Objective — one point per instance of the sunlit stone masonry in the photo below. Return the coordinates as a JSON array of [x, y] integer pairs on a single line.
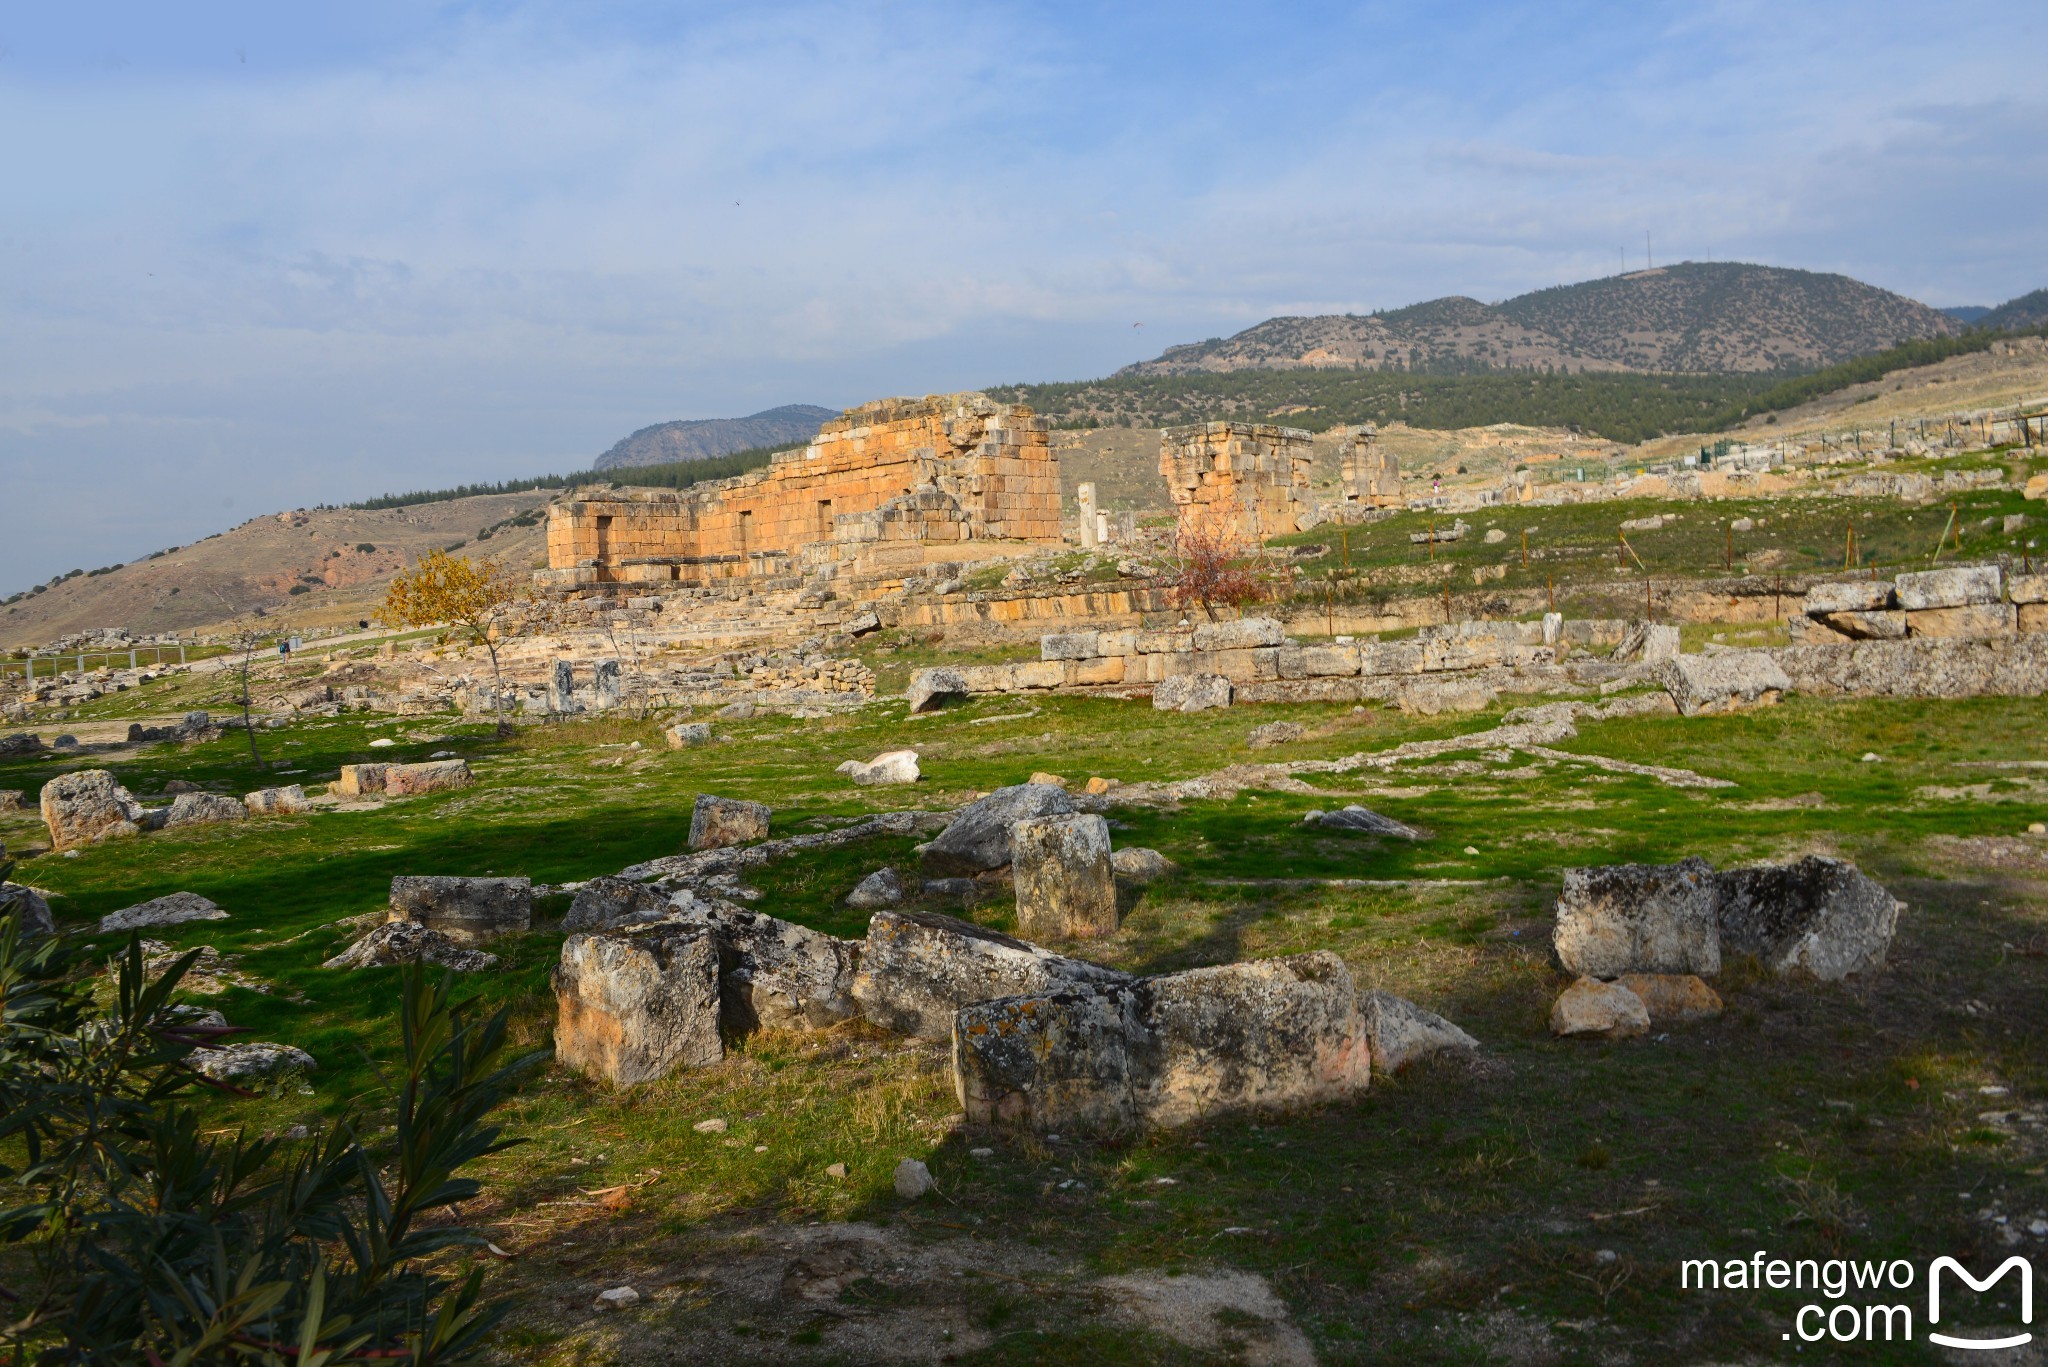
[[1238, 479], [885, 488]]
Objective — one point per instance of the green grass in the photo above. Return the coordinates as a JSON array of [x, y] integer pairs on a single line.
[[1447, 1209]]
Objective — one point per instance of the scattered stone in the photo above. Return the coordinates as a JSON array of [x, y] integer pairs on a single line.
[[736, 711], [979, 837], [1590, 1008], [633, 1006], [1097, 786], [1434, 697], [1356, 818], [258, 1061], [404, 942], [88, 805], [716, 822], [918, 969], [1495, 536], [931, 689], [913, 1179], [617, 1298], [891, 766], [1742, 524], [685, 734], [1136, 864], [1702, 684], [12, 799], [1191, 693], [435, 776], [27, 905], [1065, 886], [286, 801], [1275, 733], [20, 743], [608, 903], [203, 809], [1638, 918], [468, 911], [360, 780], [1401, 1032], [171, 909], [1047, 780], [775, 974], [861, 623], [712, 1126], [836, 1170], [1818, 916], [65, 743], [1673, 998], [885, 887]]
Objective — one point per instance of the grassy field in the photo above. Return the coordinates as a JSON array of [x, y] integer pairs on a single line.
[[1533, 1208]]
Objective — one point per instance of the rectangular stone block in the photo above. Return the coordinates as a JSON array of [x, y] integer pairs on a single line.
[[1067, 645], [2028, 588], [1242, 634], [1107, 670], [2033, 617], [1888, 625], [1164, 642], [1116, 642], [1319, 662], [1952, 588], [1390, 657], [1065, 887], [633, 1007], [360, 780], [1963, 623], [1858, 595], [466, 910], [1057, 1062]]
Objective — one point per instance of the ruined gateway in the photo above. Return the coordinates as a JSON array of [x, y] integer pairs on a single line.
[[881, 491]]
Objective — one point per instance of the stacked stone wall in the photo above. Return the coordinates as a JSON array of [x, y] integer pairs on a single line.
[[1238, 479]]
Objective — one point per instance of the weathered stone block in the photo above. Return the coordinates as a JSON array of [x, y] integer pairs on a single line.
[[1399, 1032], [403, 942], [979, 838], [1818, 916], [203, 809], [931, 689], [1056, 1062], [2028, 588], [1163, 642], [466, 910], [889, 767], [1888, 625], [1856, 595], [28, 906], [2032, 617], [360, 780], [1068, 645], [433, 776], [1136, 864], [287, 801], [716, 822], [686, 734], [1673, 998], [1242, 634], [1591, 1009], [1066, 887], [917, 969], [1951, 588], [1434, 697], [609, 903], [88, 805], [172, 909], [1718, 683], [1116, 642], [635, 1006], [1963, 623], [775, 974], [1638, 918], [1191, 693]]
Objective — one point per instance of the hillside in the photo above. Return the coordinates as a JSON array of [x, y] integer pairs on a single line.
[[703, 438], [340, 557], [2027, 311], [1695, 317]]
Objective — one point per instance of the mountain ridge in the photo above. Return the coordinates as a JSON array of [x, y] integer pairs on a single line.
[[664, 443]]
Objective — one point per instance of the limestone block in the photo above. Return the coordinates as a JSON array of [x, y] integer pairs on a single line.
[[2032, 617], [1268, 1034], [27, 906], [1639, 918], [1163, 642], [2028, 588], [1239, 666], [1889, 625], [980, 837], [1318, 662], [685, 734], [1036, 674], [1390, 657], [1117, 642], [466, 910], [635, 1006], [1068, 645], [1856, 595], [716, 822], [1242, 634], [1818, 917], [609, 903], [1433, 697], [172, 909], [1191, 693], [1107, 670], [1059, 1062], [286, 801], [1950, 588], [202, 809], [1399, 1032], [1135, 863], [433, 776], [891, 766], [360, 780], [932, 688], [403, 942], [775, 974], [1702, 684], [1591, 1009], [88, 805], [1066, 888], [1963, 623], [917, 969], [1673, 998]]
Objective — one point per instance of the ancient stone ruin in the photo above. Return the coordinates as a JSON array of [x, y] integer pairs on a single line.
[[1239, 480], [1369, 474], [882, 490]]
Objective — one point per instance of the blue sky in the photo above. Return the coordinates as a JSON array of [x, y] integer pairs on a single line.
[[256, 256]]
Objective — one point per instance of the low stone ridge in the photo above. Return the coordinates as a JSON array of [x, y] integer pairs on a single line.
[[468, 911], [1136, 864], [202, 809], [891, 766], [1356, 818], [1818, 916], [1066, 887], [1191, 693], [195, 726], [1400, 1032], [931, 689], [608, 903], [917, 969], [1638, 918], [979, 837], [1673, 998], [1590, 1008], [1703, 684], [26, 904], [775, 974], [257, 1061], [633, 1006], [885, 887], [2012, 667], [1271, 1034], [88, 805], [171, 909], [706, 864], [287, 801], [404, 942], [716, 822]]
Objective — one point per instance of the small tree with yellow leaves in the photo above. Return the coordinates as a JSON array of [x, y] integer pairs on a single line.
[[483, 599]]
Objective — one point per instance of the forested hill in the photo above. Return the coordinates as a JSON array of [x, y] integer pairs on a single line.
[[706, 438], [1695, 317]]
